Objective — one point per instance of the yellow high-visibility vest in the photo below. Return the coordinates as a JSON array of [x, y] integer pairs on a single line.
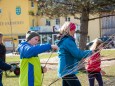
[[30, 72]]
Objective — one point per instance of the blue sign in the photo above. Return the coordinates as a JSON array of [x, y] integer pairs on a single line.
[[18, 10], [37, 28]]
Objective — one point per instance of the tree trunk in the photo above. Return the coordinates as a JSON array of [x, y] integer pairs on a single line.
[[84, 29], [83, 32]]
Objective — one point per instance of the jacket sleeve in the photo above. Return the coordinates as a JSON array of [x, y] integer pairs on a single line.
[[29, 51], [4, 66], [75, 51]]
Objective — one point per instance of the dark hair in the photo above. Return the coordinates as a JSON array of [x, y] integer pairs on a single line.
[[31, 34], [1, 34]]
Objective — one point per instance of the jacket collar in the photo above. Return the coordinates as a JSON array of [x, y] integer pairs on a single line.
[[65, 37]]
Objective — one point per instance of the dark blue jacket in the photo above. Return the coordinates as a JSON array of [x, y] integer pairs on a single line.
[[2, 52], [4, 66]]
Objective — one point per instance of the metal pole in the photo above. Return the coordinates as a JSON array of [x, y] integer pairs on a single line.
[[11, 31]]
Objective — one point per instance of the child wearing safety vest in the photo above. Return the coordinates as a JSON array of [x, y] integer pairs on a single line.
[[30, 67]]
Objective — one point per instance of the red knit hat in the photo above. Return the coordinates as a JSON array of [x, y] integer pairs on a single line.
[[72, 26]]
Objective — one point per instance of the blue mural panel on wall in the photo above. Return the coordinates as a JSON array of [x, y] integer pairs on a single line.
[[18, 10], [37, 28]]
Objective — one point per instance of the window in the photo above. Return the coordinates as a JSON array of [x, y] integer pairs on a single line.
[[44, 38], [67, 18], [57, 21], [33, 22], [21, 39], [0, 10], [8, 43], [47, 22], [107, 25], [32, 3]]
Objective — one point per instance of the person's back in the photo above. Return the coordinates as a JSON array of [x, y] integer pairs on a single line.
[[93, 64], [69, 55]]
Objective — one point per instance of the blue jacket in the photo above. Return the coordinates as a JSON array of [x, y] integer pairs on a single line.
[[27, 50], [69, 56], [30, 67]]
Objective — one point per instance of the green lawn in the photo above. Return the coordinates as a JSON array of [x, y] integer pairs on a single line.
[[105, 53], [108, 53], [51, 75], [17, 58]]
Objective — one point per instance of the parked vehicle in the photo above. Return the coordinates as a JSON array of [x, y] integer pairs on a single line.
[[109, 42]]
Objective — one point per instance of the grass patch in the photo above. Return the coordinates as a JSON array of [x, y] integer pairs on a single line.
[[51, 76], [41, 56], [108, 53], [105, 53], [12, 59], [47, 55]]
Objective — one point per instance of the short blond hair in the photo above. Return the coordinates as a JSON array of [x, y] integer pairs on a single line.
[[67, 27]]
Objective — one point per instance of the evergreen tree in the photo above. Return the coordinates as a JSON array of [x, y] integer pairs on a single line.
[[84, 8]]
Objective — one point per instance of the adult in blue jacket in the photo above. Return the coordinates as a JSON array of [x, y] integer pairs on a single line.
[[69, 55], [30, 67]]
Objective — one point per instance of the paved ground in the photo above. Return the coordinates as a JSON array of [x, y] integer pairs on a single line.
[[108, 62]]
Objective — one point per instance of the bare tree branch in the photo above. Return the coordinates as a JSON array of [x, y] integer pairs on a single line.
[[101, 17]]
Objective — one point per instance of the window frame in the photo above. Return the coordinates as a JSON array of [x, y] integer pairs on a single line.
[[0, 10], [57, 21]]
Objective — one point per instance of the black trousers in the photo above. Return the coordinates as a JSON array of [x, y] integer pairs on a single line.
[[1, 78], [93, 76], [70, 80]]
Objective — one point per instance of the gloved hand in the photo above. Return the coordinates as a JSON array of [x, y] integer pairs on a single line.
[[13, 67], [96, 50], [54, 47], [44, 69]]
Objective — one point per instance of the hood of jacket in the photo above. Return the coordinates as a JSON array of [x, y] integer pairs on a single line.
[[63, 38]]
